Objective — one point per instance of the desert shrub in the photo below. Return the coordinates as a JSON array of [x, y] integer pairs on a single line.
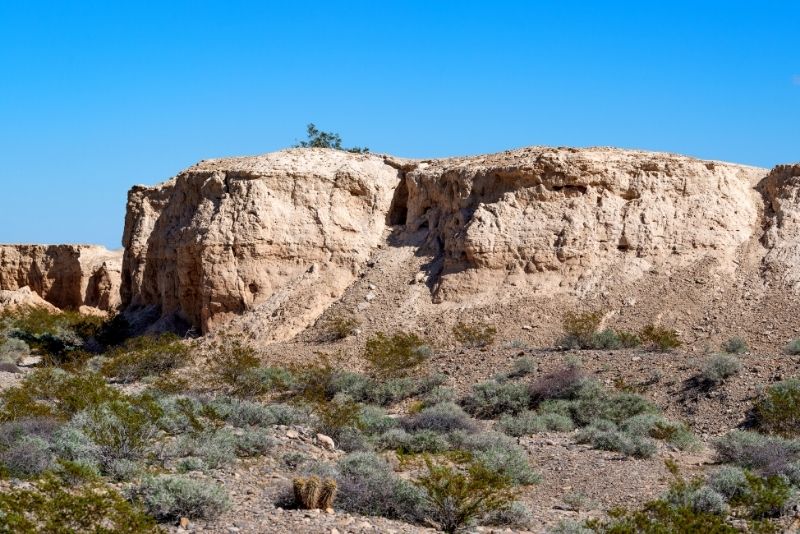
[[766, 496], [457, 497], [719, 367], [579, 329], [702, 500], [610, 439], [373, 420], [660, 338], [336, 415], [293, 460], [231, 361], [316, 138], [355, 385], [146, 356], [72, 444], [13, 350], [560, 384], [60, 337], [215, 447], [170, 497], [516, 515], [490, 399], [729, 481], [793, 347], [591, 401], [441, 418], [243, 413], [286, 414], [395, 355], [314, 493], [181, 414], [253, 442], [778, 409], [51, 392], [438, 395], [767, 455], [168, 384], [418, 442], [368, 486], [474, 335], [735, 345], [122, 429], [570, 526], [339, 327], [391, 391], [260, 380], [26, 457], [54, 505], [352, 439], [497, 452], [528, 422], [520, 367], [658, 427], [189, 464]]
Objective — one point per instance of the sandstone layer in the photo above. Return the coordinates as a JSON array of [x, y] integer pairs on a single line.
[[226, 236], [66, 276]]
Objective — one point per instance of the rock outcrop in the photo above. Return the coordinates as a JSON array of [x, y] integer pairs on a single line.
[[23, 298], [285, 235], [66, 276], [231, 235], [578, 220]]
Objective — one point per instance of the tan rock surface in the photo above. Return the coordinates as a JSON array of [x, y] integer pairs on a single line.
[[231, 235], [66, 276], [23, 298]]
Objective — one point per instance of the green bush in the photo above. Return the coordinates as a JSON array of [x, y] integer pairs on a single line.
[[442, 418], [146, 356], [51, 392], [778, 409], [528, 422], [457, 497], [215, 447], [340, 327], [579, 329], [735, 345], [418, 442], [767, 454], [498, 453], [793, 347], [54, 505], [600, 436], [231, 362], [658, 427], [368, 486], [395, 355], [316, 138], [660, 338], [491, 399], [720, 367], [474, 335], [523, 366], [170, 497]]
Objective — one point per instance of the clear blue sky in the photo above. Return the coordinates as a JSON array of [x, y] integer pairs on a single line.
[[98, 96]]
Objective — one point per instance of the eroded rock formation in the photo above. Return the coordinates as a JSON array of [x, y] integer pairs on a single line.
[[66, 276], [229, 235]]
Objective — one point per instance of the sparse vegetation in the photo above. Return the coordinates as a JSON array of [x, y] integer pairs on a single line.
[[316, 138], [476, 335], [793, 347], [660, 338], [170, 497], [735, 345], [340, 327], [396, 355], [778, 409], [720, 367], [146, 356]]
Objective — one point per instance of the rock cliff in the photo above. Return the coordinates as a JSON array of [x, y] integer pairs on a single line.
[[229, 235], [66, 276], [287, 234]]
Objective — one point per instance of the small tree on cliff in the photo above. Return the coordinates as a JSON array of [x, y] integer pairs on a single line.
[[318, 139]]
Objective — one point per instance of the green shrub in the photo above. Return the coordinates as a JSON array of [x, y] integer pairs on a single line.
[[609, 439], [491, 399], [395, 355], [51, 392], [735, 345], [769, 455], [253, 442], [438, 395], [340, 327], [316, 138], [231, 361], [719, 367], [170, 497], [729, 481], [53, 505], [215, 447], [793, 347], [778, 409], [441, 418], [528, 422], [456, 498], [579, 329], [658, 427], [660, 338], [523, 366], [516, 515], [474, 335], [13, 350], [368, 486], [146, 356], [498, 453], [399, 440]]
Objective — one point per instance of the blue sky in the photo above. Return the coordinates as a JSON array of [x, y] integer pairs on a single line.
[[98, 96]]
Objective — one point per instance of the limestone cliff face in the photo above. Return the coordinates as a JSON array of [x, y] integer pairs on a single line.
[[578, 220], [226, 236], [66, 276]]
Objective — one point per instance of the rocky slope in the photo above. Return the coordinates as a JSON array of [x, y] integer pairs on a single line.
[[516, 236], [66, 276]]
